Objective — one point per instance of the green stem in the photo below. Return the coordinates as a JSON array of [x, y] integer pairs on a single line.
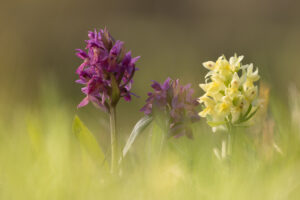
[[113, 140], [229, 138], [229, 143]]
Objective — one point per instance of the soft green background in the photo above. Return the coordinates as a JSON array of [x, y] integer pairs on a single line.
[[39, 154], [38, 41], [173, 37]]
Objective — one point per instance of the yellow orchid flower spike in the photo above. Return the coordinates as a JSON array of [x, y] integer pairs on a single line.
[[230, 92]]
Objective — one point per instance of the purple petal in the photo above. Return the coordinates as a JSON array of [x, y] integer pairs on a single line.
[[84, 102], [116, 49], [127, 58], [147, 109], [134, 60], [133, 94], [91, 35], [80, 81], [127, 97], [166, 84], [156, 86], [80, 68], [81, 54], [84, 90]]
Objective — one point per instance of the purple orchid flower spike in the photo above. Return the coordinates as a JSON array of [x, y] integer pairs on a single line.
[[106, 75], [177, 103], [106, 71]]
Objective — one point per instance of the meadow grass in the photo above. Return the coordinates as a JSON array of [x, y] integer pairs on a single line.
[[42, 158]]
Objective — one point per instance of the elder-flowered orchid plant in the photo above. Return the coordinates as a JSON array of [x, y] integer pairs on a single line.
[[106, 73], [230, 97], [176, 102], [230, 92], [172, 106]]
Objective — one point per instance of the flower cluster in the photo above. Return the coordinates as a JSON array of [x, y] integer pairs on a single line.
[[230, 94], [177, 103], [106, 72]]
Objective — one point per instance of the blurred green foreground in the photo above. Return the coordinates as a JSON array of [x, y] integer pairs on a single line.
[[42, 158]]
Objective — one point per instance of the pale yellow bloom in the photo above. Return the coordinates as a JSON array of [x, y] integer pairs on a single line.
[[218, 77], [209, 106], [206, 111], [207, 101], [228, 95], [240, 106], [209, 65], [251, 93], [203, 87], [224, 107], [214, 87], [235, 62], [253, 76], [235, 82], [222, 64]]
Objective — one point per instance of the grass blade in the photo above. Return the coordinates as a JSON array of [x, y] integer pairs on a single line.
[[138, 128], [88, 142]]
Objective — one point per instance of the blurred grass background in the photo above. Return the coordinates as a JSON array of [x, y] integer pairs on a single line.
[[38, 39], [38, 93], [40, 158]]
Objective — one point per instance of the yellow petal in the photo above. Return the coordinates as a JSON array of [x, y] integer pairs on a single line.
[[209, 65]]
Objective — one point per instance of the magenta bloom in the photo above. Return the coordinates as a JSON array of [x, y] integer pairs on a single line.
[[106, 71], [177, 103]]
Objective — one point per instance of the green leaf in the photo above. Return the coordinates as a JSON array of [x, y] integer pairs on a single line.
[[246, 118], [248, 111], [243, 117], [213, 124], [89, 143], [138, 128], [252, 114]]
